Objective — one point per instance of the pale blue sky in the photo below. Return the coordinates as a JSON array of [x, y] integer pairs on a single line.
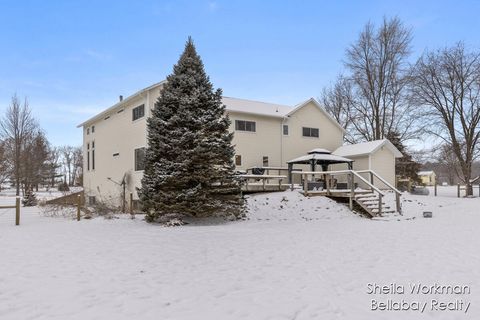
[[73, 58]]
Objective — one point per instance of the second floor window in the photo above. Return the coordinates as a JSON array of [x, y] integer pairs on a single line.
[[138, 112], [285, 129], [242, 125], [310, 132]]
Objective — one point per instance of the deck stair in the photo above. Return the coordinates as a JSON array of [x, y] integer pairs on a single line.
[[371, 204]]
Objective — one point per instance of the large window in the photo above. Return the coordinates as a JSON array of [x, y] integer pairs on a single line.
[[242, 125], [88, 156], [139, 159], [138, 112], [310, 132], [93, 155]]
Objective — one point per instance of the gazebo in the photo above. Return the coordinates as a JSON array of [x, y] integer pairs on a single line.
[[321, 157]]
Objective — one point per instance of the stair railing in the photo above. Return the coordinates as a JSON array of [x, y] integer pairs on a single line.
[[385, 182]]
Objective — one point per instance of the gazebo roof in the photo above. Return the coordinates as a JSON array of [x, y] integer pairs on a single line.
[[320, 158], [320, 151]]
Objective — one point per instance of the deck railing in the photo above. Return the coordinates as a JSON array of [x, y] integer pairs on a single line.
[[386, 183], [264, 178]]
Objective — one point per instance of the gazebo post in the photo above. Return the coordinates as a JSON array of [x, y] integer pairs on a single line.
[[312, 168]]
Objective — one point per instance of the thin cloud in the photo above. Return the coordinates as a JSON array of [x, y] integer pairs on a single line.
[[212, 6]]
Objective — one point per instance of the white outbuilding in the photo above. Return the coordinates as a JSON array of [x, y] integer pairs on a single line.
[[378, 155]]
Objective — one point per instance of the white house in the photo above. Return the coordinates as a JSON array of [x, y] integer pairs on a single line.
[[265, 134], [428, 178]]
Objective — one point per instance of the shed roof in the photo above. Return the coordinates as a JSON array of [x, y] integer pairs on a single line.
[[367, 148]]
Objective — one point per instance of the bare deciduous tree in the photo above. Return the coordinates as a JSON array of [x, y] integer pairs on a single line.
[[72, 163], [34, 159], [338, 101], [16, 126], [371, 100], [447, 86], [4, 164], [67, 158], [449, 162]]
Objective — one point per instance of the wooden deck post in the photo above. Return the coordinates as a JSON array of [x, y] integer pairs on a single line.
[[371, 180], [263, 184], [458, 190], [327, 183], [305, 184], [280, 184], [435, 189], [397, 201], [352, 190], [380, 204], [17, 211]]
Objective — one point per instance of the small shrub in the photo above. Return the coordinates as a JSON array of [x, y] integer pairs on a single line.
[[30, 199], [63, 187]]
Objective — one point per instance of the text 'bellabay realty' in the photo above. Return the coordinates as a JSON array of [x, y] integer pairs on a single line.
[[439, 297]]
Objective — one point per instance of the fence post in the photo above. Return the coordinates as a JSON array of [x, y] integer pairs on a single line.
[[435, 189], [458, 190], [79, 203], [17, 211], [131, 205], [397, 201]]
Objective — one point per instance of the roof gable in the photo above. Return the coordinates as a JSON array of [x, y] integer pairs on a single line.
[[319, 107], [120, 104]]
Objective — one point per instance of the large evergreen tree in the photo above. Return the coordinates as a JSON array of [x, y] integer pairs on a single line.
[[189, 168]]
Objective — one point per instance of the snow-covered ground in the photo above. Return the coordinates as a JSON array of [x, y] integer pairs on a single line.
[[293, 258]]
